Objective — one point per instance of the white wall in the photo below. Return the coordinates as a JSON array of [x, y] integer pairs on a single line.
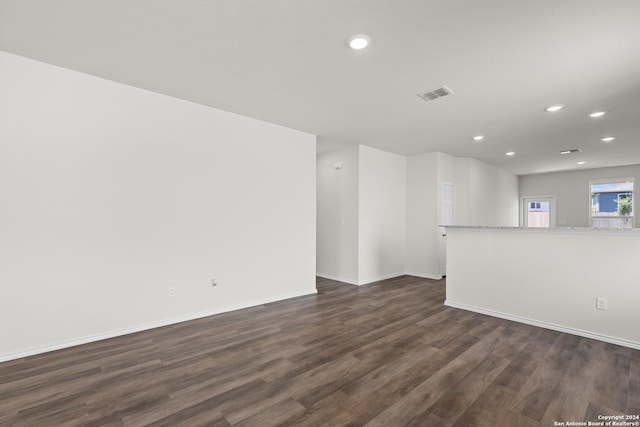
[[493, 196], [338, 215], [485, 195], [382, 210], [447, 167], [465, 214], [572, 190], [110, 195], [422, 253], [395, 203], [361, 215], [549, 278]]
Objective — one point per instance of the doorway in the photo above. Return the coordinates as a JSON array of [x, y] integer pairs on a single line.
[[538, 212]]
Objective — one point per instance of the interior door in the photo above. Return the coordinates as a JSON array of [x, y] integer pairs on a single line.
[[447, 217]]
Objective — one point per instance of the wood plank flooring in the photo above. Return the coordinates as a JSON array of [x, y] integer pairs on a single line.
[[385, 354]]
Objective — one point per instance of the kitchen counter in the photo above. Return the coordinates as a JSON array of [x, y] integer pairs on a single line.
[[551, 278]]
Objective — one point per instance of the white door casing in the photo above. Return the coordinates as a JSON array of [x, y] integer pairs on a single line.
[[538, 211]]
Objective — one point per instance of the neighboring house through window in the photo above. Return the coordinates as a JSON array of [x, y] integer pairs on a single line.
[[612, 203]]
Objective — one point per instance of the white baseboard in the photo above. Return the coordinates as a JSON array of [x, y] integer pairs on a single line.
[[424, 276], [383, 277], [147, 326], [336, 278], [546, 325], [358, 282]]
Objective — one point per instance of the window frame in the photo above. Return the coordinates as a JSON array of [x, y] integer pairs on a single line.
[[592, 182]]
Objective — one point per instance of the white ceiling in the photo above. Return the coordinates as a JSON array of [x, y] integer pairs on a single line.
[[286, 62]]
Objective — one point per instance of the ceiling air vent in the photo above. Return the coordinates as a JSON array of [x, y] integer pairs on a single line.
[[573, 150], [435, 94]]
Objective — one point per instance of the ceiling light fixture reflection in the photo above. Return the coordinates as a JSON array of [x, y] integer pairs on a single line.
[[554, 108], [581, 162], [608, 139], [509, 153], [359, 41], [478, 137], [597, 114], [571, 151]]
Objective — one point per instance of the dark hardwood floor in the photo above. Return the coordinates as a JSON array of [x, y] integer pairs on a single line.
[[385, 354]]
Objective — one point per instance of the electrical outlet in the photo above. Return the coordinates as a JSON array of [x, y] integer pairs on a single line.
[[171, 291], [601, 303], [214, 283]]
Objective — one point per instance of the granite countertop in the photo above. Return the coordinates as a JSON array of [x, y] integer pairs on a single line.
[[635, 231]]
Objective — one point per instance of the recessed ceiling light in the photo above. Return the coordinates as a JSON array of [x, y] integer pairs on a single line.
[[571, 151], [554, 108], [509, 153], [359, 41], [582, 162], [478, 137], [608, 139], [597, 114]]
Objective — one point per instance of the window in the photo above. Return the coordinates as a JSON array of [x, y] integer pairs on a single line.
[[612, 203]]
